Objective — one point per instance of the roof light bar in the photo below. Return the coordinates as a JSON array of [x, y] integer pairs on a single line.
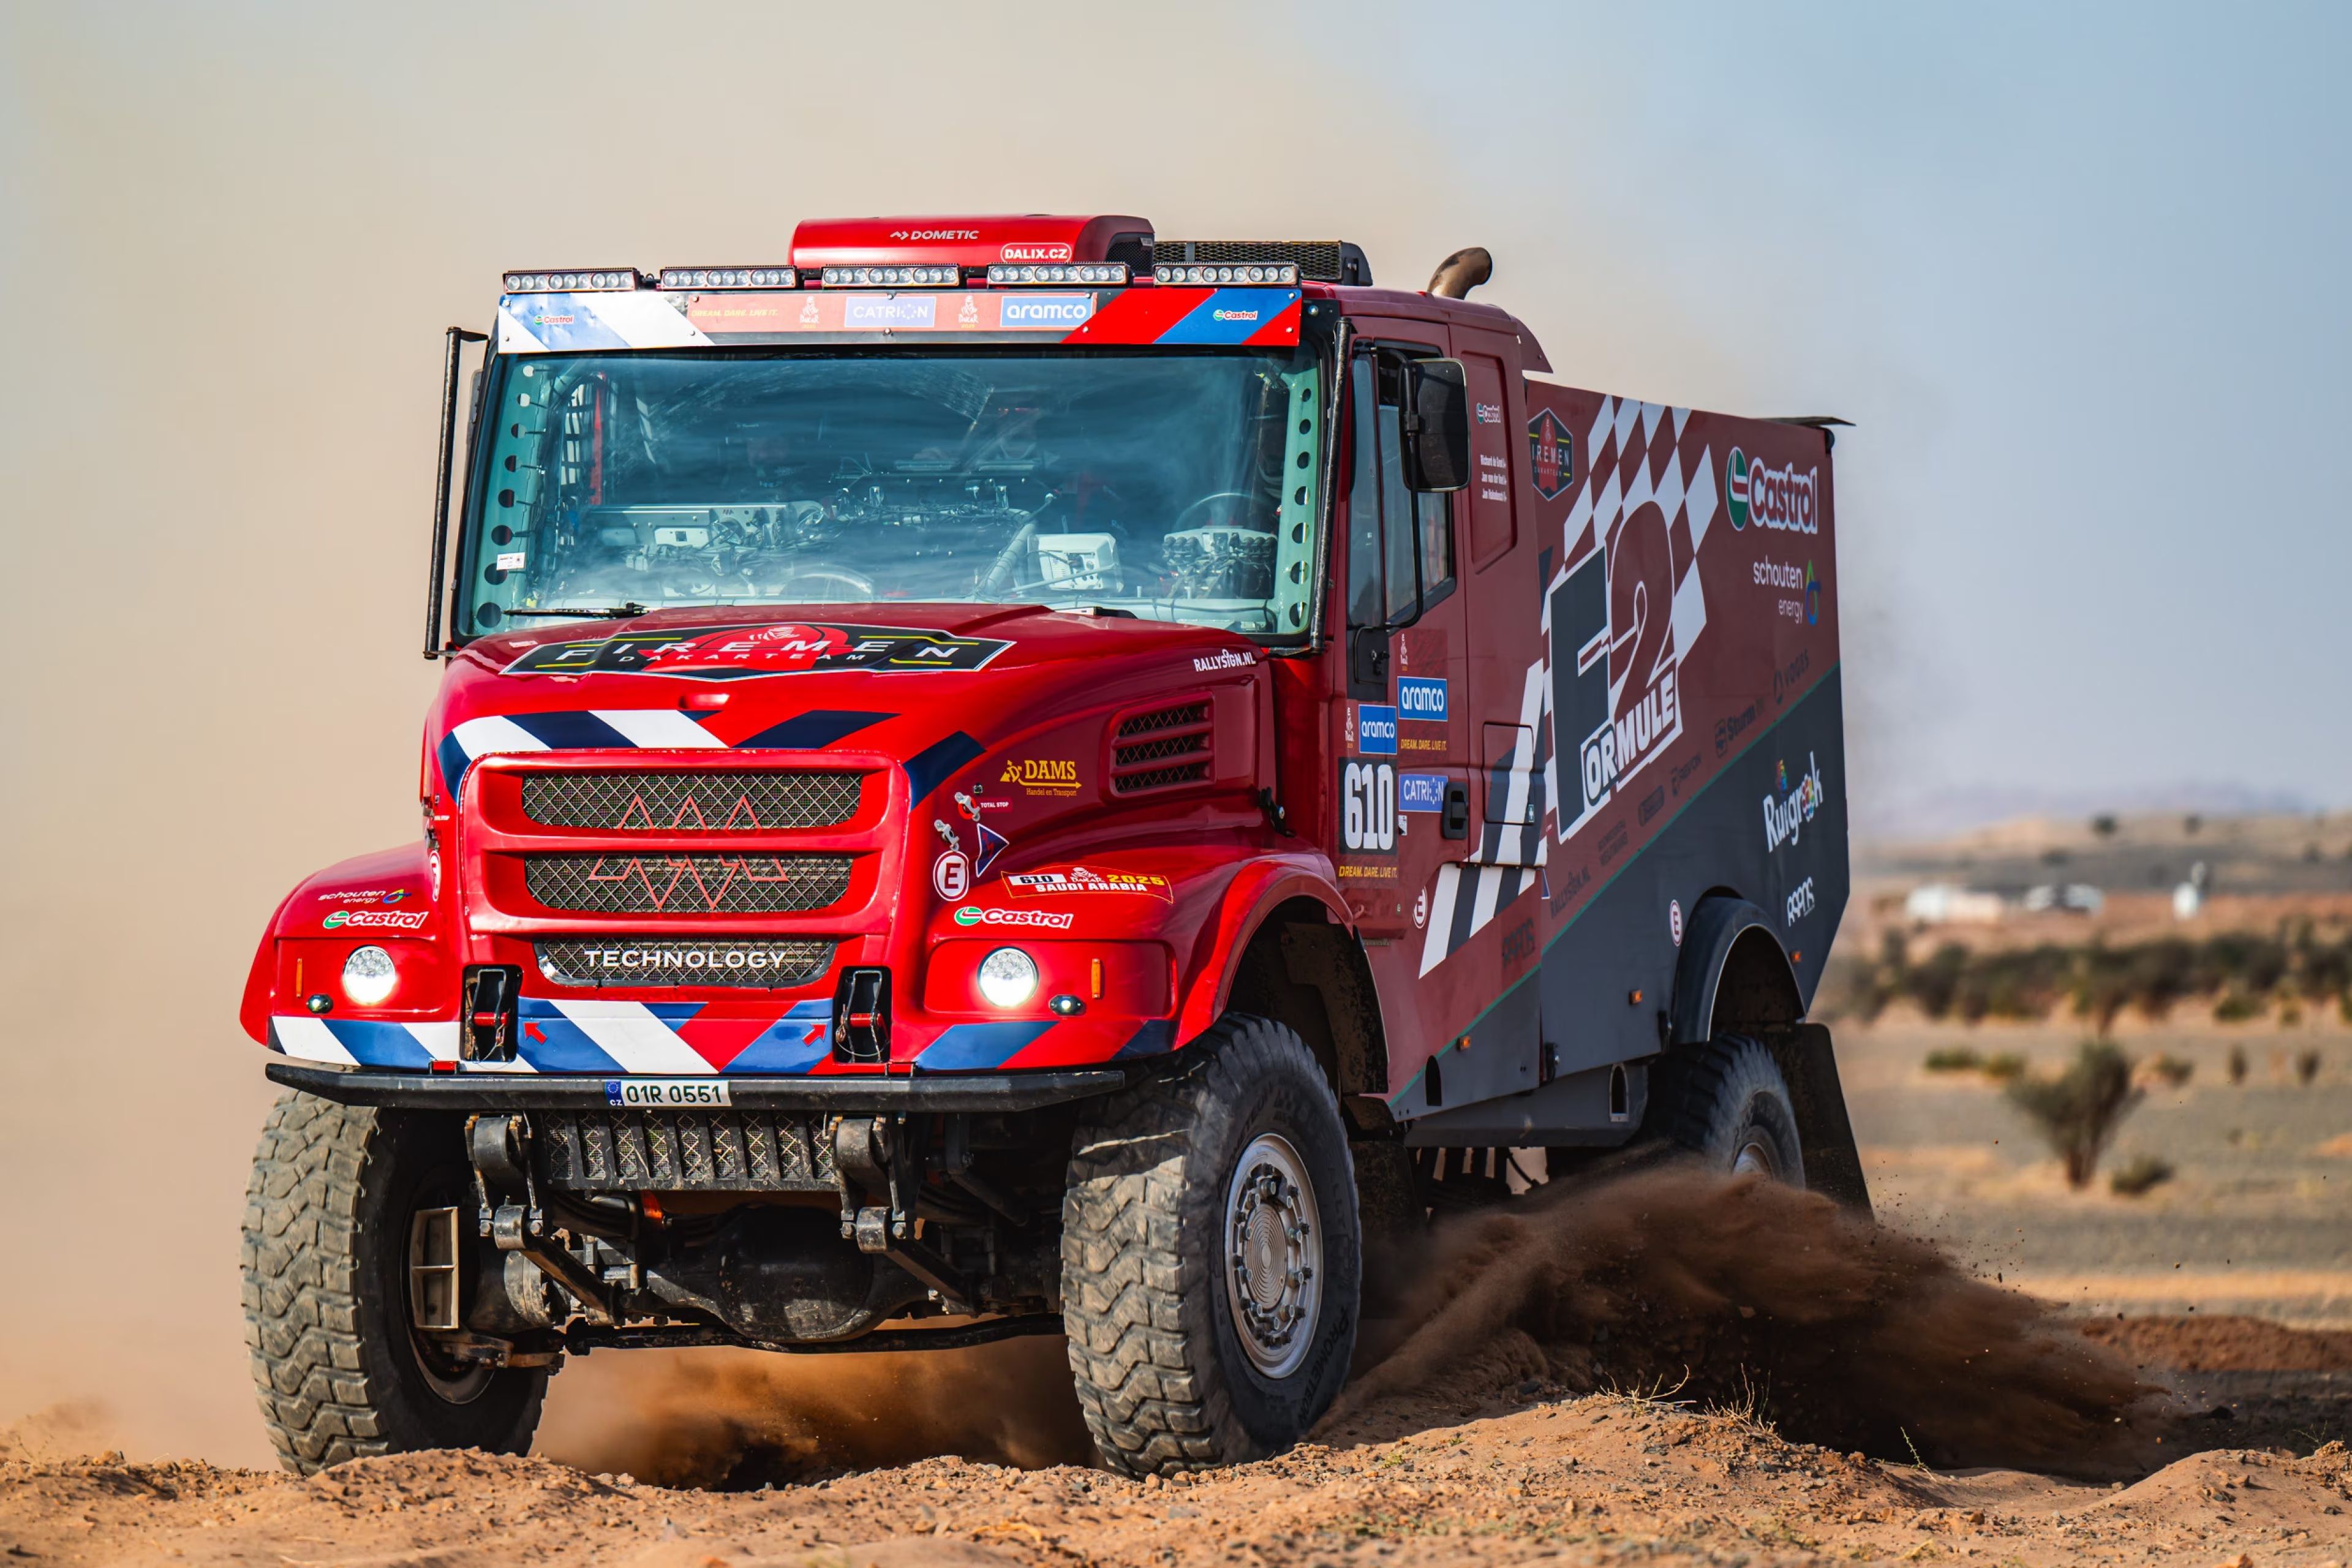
[[1112, 272], [893, 276], [1246, 272], [608, 278], [730, 277]]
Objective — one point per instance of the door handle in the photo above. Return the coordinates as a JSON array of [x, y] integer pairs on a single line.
[[1456, 822]]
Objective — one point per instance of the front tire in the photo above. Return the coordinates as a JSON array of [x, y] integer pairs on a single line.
[[338, 1370], [1211, 1255]]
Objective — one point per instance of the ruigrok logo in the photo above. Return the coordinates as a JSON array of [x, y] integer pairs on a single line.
[[1787, 810], [1783, 500]]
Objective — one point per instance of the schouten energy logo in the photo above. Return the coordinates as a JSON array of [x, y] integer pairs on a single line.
[[1787, 810], [1783, 500]]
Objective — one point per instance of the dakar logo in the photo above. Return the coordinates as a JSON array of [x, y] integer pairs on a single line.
[[1782, 500], [1554, 452], [1042, 775]]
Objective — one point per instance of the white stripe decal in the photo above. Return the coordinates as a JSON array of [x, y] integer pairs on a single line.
[[630, 1034], [439, 1040], [657, 729], [642, 319], [480, 737], [1490, 883], [310, 1039], [1441, 918]]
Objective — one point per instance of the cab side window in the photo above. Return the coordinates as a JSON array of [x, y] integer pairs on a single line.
[[1401, 544]]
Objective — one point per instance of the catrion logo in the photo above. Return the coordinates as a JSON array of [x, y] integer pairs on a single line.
[[1553, 450], [1787, 809], [1783, 500], [374, 919], [1045, 920]]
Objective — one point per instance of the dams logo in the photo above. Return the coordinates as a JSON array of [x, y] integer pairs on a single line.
[[1553, 450], [1042, 775]]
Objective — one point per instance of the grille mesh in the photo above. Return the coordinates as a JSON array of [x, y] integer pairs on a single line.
[[667, 960], [1318, 260], [686, 884], [1162, 749], [694, 802], [708, 1151]]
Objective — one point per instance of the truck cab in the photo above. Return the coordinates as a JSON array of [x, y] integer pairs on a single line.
[[1010, 775]]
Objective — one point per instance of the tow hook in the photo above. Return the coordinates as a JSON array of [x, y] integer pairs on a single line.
[[873, 1157]]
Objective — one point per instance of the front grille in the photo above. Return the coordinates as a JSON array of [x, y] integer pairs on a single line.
[[691, 803], [1160, 749], [670, 961], [686, 884], [685, 1150]]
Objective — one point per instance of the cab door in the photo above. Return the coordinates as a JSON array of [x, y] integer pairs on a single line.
[[1400, 733], [1503, 577]]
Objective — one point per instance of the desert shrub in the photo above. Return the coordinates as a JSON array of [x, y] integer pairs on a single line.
[[2171, 1070], [2078, 1110], [1953, 1058], [2307, 1067], [1934, 985], [2237, 1066], [2138, 1174], [2003, 1066], [2236, 1006]]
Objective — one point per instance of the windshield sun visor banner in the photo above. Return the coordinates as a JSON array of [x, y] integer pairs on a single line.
[[742, 652], [1118, 317], [575, 323]]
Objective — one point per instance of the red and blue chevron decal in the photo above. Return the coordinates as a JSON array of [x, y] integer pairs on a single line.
[[668, 729], [1180, 316]]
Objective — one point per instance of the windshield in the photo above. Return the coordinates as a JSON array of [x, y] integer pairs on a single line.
[[1171, 485]]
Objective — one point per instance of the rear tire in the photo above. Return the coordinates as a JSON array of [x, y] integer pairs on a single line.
[[1211, 1255], [1733, 1110], [339, 1370]]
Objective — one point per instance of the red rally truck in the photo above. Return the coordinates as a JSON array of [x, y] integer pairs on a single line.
[[1009, 775]]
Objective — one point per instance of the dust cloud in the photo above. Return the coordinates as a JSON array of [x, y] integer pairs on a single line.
[[738, 1419], [1745, 1294]]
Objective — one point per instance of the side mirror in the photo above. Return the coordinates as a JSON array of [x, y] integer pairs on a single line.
[[1437, 425]]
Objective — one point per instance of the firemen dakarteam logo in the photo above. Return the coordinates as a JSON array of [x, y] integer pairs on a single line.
[[740, 652], [1553, 450]]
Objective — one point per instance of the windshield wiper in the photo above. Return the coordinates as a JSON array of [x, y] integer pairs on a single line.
[[607, 613]]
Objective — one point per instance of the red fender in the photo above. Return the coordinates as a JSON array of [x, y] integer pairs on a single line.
[[1256, 891]]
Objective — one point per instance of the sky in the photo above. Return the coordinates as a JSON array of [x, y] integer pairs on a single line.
[[2075, 272]]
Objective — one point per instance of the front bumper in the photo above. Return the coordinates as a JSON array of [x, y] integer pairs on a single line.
[[845, 1094]]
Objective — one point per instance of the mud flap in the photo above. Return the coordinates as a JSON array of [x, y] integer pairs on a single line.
[[1832, 1162]]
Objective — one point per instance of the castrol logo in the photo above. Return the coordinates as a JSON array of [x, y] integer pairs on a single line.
[[1785, 499]]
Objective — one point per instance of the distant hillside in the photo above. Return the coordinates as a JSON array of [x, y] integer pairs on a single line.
[[2253, 855]]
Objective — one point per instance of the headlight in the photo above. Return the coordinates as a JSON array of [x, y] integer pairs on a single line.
[[369, 977], [1008, 977]]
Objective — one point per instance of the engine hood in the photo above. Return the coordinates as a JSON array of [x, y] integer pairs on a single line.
[[932, 685]]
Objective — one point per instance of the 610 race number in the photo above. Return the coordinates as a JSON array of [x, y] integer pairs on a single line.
[[1367, 808]]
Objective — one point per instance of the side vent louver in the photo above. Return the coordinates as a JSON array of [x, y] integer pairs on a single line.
[[1161, 748]]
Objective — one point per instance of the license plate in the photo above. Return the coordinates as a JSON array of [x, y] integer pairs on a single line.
[[667, 1093]]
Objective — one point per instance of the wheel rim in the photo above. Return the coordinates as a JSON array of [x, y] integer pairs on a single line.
[[1756, 1158], [1274, 1254]]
